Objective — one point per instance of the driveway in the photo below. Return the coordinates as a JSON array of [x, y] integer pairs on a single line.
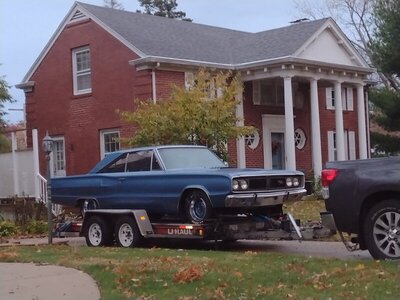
[[308, 248]]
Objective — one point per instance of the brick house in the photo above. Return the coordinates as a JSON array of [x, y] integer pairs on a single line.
[[303, 86]]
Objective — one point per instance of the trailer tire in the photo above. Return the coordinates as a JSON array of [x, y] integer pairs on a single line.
[[197, 207], [127, 232], [97, 232], [382, 230]]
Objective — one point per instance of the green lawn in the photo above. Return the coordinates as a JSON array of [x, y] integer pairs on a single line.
[[153, 273]]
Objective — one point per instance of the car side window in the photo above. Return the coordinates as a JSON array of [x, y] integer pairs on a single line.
[[139, 161], [155, 164], [116, 166]]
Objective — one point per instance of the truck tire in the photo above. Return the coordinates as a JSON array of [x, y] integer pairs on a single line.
[[127, 232], [97, 232], [197, 207], [382, 230]]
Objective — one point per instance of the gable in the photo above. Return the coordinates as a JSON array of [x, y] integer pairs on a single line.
[[330, 45]]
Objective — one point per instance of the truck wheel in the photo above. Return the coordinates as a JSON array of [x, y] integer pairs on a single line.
[[97, 232], [87, 204], [382, 230], [127, 232], [197, 207]]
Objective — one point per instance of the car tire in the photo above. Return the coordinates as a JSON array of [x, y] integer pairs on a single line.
[[97, 232], [127, 232], [198, 208], [87, 204], [382, 230]]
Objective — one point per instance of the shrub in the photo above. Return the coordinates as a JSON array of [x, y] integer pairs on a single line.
[[7, 228], [36, 227]]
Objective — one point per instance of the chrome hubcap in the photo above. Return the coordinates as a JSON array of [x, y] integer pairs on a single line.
[[95, 234], [386, 233], [125, 235]]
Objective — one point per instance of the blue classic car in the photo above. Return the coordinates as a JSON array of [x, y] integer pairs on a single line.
[[189, 182]]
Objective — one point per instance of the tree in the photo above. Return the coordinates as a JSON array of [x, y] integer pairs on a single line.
[[163, 8], [385, 46], [4, 97], [113, 4], [203, 114]]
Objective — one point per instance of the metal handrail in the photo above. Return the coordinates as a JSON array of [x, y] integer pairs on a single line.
[[55, 208]]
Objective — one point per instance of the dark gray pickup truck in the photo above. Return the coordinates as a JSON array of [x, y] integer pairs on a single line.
[[363, 198]]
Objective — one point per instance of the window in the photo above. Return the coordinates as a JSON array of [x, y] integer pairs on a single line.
[[58, 157], [267, 92], [349, 145], [109, 141], [81, 71], [116, 166], [139, 161], [347, 98]]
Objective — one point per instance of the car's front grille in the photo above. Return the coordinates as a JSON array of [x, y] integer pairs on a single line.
[[269, 183]]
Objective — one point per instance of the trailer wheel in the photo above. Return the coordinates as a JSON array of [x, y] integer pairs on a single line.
[[97, 232], [127, 232], [197, 207], [382, 230]]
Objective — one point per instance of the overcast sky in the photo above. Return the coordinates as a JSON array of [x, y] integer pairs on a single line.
[[27, 25]]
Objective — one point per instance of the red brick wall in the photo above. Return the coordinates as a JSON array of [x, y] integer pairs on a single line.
[[115, 84]]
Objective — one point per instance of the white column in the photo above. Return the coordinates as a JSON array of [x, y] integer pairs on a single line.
[[240, 143], [15, 163], [289, 125], [35, 154], [315, 129], [339, 122], [362, 132]]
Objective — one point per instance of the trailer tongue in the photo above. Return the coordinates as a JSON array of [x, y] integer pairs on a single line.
[[128, 227]]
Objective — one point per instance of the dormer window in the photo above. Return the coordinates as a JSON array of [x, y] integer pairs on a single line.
[[81, 69]]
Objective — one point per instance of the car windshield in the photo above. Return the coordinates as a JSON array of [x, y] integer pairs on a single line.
[[189, 158]]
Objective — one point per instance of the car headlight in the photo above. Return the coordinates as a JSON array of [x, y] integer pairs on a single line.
[[296, 181], [235, 185], [289, 182], [243, 184]]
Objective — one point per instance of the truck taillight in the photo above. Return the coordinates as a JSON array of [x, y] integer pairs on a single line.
[[327, 176]]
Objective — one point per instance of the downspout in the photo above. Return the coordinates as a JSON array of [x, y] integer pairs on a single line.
[[153, 83]]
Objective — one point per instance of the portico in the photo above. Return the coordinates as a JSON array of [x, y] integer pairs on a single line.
[[302, 84]]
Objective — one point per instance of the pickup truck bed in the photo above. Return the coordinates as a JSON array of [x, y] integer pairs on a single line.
[[364, 198]]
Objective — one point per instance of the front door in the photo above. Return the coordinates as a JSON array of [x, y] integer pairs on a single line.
[[58, 157], [274, 142]]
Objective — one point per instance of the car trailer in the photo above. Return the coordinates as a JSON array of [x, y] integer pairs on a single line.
[[127, 228]]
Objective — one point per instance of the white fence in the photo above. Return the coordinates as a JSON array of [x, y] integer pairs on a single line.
[[18, 171]]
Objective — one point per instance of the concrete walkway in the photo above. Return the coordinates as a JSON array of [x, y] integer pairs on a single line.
[[39, 282]]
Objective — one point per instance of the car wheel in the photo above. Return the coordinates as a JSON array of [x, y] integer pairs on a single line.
[[88, 204], [127, 232], [97, 232], [198, 207], [382, 230]]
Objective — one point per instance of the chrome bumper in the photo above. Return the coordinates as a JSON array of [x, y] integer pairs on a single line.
[[262, 199]]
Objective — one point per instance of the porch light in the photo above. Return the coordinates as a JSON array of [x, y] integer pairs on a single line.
[[47, 144]]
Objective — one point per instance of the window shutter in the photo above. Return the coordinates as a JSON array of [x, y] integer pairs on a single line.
[[344, 101], [352, 145], [331, 143], [256, 92], [189, 80], [328, 96], [350, 99], [346, 145]]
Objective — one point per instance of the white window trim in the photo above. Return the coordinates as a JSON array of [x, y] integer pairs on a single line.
[[347, 98], [75, 74], [349, 145], [102, 141]]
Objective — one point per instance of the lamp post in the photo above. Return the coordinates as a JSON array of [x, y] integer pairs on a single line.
[[48, 148]]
